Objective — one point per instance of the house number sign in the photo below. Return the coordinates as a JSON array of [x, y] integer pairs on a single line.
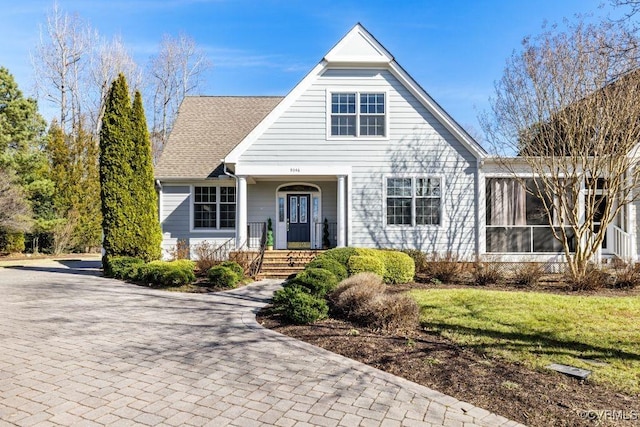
[[294, 170]]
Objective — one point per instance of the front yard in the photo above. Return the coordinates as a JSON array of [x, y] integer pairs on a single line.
[[489, 346], [601, 334]]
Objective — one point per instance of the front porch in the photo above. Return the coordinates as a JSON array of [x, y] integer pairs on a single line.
[[306, 214]]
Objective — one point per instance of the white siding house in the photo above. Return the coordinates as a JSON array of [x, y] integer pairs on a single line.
[[357, 150]]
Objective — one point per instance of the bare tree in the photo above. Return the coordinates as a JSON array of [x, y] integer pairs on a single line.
[[108, 59], [60, 61], [567, 108], [176, 71]]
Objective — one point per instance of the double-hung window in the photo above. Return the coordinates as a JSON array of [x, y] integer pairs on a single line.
[[214, 207], [413, 201], [358, 114]]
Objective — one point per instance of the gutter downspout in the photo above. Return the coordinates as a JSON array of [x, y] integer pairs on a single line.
[[479, 164]]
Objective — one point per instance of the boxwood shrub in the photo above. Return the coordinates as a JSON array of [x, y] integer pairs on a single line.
[[165, 273], [316, 281], [341, 255], [398, 267], [122, 267], [298, 306], [223, 277], [327, 263], [363, 263]]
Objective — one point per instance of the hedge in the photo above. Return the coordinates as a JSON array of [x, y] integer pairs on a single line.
[[122, 267], [235, 267], [364, 263], [155, 273], [399, 267], [341, 255]]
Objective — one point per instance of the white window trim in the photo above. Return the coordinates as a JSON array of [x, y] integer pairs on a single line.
[[413, 225], [192, 199], [357, 91]]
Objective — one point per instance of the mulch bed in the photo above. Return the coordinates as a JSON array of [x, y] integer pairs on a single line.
[[534, 398]]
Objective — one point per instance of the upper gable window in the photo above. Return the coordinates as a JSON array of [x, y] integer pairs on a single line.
[[358, 114]]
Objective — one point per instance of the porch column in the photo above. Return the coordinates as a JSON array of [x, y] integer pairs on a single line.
[[342, 212], [241, 213]]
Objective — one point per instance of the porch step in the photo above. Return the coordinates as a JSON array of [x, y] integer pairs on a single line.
[[280, 264]]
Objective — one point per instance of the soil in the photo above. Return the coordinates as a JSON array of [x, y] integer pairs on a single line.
[[532, 397]]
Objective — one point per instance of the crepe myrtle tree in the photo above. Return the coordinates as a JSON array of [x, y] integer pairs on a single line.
[[566, 112]]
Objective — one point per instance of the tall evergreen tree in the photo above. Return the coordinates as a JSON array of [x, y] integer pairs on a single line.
[[148, 235], [116, 150], [129, 202]]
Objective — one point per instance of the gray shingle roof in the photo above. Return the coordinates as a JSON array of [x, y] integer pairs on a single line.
[[206, 130]]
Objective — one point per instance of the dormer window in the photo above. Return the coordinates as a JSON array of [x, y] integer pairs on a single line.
[[358, 114]]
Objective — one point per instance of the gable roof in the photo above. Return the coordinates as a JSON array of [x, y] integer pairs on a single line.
[[206, 129], [359, 48]]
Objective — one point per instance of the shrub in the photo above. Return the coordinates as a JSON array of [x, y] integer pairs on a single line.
[[445, 267], [317, 281], [398, 267], [370, 263], [11, 242], [353, 293], [166, 273], [341, 255], [330, 264], [298, 306], [180, 250], [206, 256], [122, 267], [223, 277], [419, 260], [593, 279], [391, 312], [487, 273], [627, 277], [235, 267], [528, 274]]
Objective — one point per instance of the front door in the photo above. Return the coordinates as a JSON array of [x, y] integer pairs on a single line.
[[298, 224]]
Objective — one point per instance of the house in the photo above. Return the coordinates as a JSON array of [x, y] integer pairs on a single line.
[[357, 142]]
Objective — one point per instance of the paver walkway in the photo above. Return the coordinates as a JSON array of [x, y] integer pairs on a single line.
[[77, 349]]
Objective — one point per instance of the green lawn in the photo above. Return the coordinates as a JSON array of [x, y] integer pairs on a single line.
[[538, 329]]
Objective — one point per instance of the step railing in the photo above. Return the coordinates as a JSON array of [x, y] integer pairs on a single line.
[[621, 244], [257, 233]]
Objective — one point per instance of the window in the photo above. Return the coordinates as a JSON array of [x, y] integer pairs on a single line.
[[358, 114], [413, 201], [517, 220], [214, 207]]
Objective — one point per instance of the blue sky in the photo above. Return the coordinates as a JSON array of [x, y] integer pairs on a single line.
[[455, 49]]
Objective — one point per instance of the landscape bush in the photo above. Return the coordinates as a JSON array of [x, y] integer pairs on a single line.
[[235, 267], [391, 312], [205, 256], [364, 263], [122, 267], [353, 293], [165, 273], [627, 277], [419, 260], [398, 267], [445, 267], [298, 306], [487, 273], [327, 263], [223, 277], [528, 274], [317, 281], [594, 278], [341, 255]]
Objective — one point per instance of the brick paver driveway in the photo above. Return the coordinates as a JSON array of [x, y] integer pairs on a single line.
[[77, 349]]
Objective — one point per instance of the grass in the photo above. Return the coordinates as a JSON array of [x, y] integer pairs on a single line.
[[538, 329]]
